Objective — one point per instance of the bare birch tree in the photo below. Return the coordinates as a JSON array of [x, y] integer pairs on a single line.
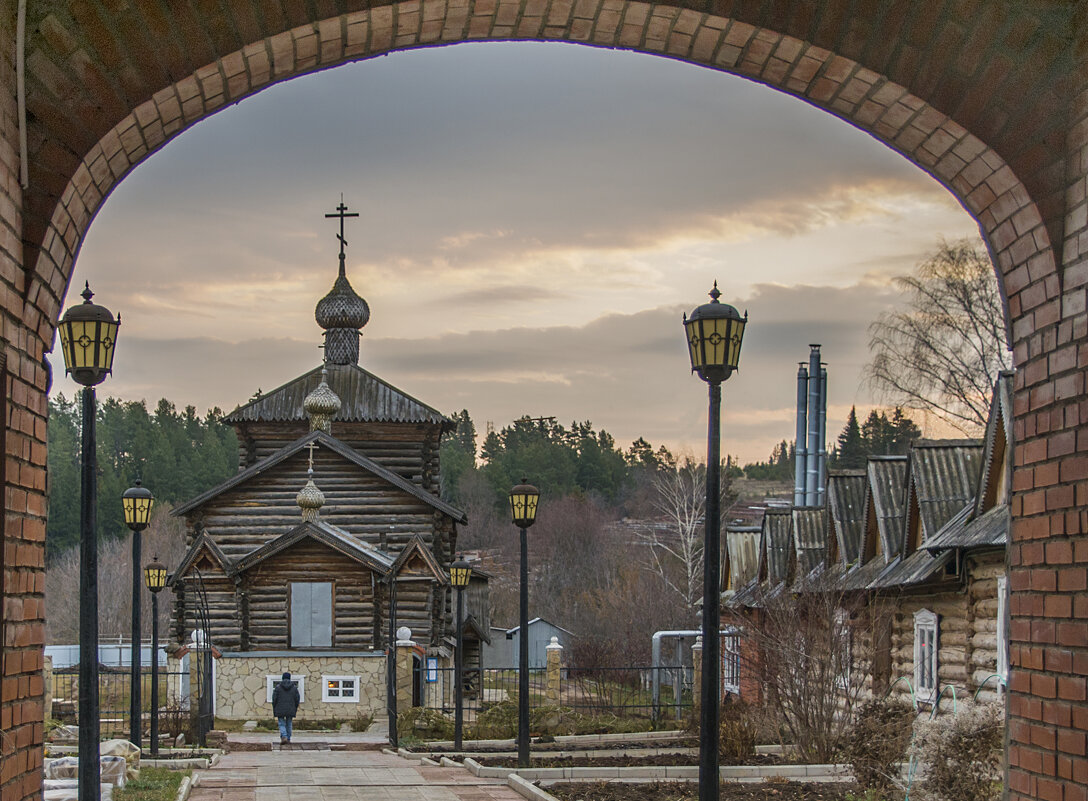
[[164, 538], [674, 550], [942, 352]]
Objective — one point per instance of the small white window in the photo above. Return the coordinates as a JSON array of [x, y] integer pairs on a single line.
[[926, 628], [1002, 628], [731, 662], [843, 649], [270, 683], [340, 689]]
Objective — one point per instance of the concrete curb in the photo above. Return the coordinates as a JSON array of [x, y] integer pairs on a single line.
[[184, 789], [196, 763], [571, 739], [527, 790], [809, 773]]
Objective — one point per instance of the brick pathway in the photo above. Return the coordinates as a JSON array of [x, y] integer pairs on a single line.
[[339, 776]]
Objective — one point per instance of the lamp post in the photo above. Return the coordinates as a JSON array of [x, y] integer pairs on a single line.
[[714, 332], [88, 337], [460, 573], [155, 578], [523, 502], [136, 502]]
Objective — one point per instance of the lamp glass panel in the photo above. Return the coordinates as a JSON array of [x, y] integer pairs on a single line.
[[694, 342], [137, 510], [155, 577], [523, 507], [735, 337], [459, 576]]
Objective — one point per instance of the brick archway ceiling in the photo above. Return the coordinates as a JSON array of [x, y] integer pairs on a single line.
[[969, 91]]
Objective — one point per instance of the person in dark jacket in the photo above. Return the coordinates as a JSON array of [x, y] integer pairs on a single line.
[[284, 705]]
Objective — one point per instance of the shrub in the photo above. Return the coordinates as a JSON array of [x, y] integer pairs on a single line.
[[736, 733], [878, 742], [424, 724], [499, 722], [961, 756]]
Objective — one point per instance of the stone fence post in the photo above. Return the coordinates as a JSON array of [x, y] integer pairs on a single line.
[[47, 679], [697, 677], [405, 658], [554, 653]]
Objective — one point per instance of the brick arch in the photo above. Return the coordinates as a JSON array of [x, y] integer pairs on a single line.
[[974, 172], [991, 98]]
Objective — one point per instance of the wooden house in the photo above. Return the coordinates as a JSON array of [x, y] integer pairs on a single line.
[[329, 538], [915, 549]]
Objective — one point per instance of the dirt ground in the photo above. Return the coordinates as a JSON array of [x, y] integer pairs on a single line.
[[689, 791]]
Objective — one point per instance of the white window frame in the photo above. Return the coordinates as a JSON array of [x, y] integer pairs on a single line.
[[270, 683], [1002, 628], [326, 691], [731, 661], [844, 641], [927, 638]]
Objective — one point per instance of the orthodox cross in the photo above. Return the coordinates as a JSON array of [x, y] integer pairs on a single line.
[[310, 448], [342, 212]]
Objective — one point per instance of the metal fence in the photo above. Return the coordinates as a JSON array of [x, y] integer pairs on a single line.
[[114, 691], [623, 692]]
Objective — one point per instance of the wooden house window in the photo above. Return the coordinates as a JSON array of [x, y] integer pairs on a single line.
[[731, 662], [340, 689], [1002, 629], [926, 629], [311, 614], [844, 649]]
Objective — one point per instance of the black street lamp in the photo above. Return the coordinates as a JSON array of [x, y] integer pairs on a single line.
[[714, 332], [136, 502], [460, 573], [88, 338], [523, 502], [155, 578]]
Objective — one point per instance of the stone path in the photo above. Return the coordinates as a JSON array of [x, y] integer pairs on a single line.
[[320, 775]]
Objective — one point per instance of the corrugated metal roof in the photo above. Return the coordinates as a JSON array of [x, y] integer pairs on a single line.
[[846, 503], [809, 538], [775, 544], [363, 397], [1000, 420], [992, 529], [915, 569], [742, 546], [887, 477], [943, 479], [860, 577]]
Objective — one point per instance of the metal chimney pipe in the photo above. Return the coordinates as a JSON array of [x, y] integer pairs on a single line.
[[812, 467], [799, 450], [821, 454]]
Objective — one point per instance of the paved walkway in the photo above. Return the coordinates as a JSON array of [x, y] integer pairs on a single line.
[[326, 775]]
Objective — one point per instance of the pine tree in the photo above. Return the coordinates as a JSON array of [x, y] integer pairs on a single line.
[[851, 453]]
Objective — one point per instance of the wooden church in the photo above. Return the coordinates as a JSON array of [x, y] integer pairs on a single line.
[[332, 524]]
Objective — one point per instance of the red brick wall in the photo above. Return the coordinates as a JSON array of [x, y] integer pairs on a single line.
[[990, 98], [1048, 702]]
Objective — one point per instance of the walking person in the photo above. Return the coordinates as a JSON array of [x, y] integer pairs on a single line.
[[284, 705]]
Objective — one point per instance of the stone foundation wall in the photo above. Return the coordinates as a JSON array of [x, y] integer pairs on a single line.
[[241, 684]]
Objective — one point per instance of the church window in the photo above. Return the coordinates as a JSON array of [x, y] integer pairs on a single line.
[[340, 689], [311, 614]]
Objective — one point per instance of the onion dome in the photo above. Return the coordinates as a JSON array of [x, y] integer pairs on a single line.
[[321, 405], [342, 307], [310, 499]]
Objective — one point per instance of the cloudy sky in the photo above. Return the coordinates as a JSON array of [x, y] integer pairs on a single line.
[[534, 220]]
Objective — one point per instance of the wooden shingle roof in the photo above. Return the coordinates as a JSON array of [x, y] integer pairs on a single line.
[[363, 397], [335, 445]]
